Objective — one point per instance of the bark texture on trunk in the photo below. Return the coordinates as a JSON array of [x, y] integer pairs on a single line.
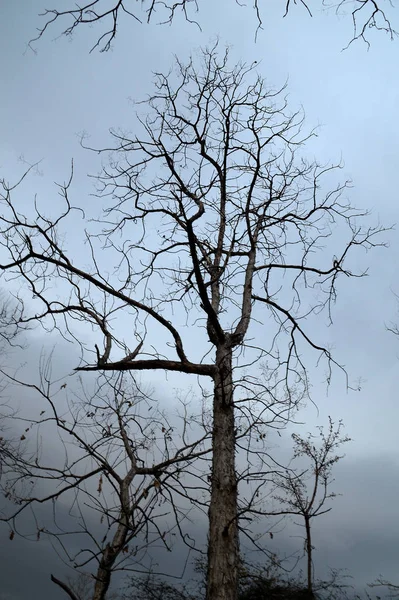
[[113, 549], [223, 548]]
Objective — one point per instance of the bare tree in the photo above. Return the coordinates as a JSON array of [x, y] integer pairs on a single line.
[[306, 492], [365, 15], [214, 210], [120, 466], [391, 588]]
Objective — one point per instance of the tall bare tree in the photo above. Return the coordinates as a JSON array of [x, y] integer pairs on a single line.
[[366, 15], [218, 227], [119, 464]]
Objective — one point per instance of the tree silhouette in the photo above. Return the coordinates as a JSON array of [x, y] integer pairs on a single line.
[[218, 227], [366, 15]]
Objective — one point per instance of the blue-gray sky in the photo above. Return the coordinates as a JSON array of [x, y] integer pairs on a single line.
[[48, 98]]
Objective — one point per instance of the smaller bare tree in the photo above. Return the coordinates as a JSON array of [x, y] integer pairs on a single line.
[[391, 588], [117, 457], [305, 492]]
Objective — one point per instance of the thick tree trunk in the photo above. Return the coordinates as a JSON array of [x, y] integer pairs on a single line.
[[113, 550], [104, 571], [223, 548]]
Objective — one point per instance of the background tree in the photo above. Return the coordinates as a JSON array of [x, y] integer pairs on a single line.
[[118, 464], [306, 492], [365, 15], [213, 208], [391, 588]]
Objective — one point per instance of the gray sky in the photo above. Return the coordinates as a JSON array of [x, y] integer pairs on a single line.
[[49, 98]]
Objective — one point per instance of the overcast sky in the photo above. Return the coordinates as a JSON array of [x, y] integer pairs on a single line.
[[50, 97]]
